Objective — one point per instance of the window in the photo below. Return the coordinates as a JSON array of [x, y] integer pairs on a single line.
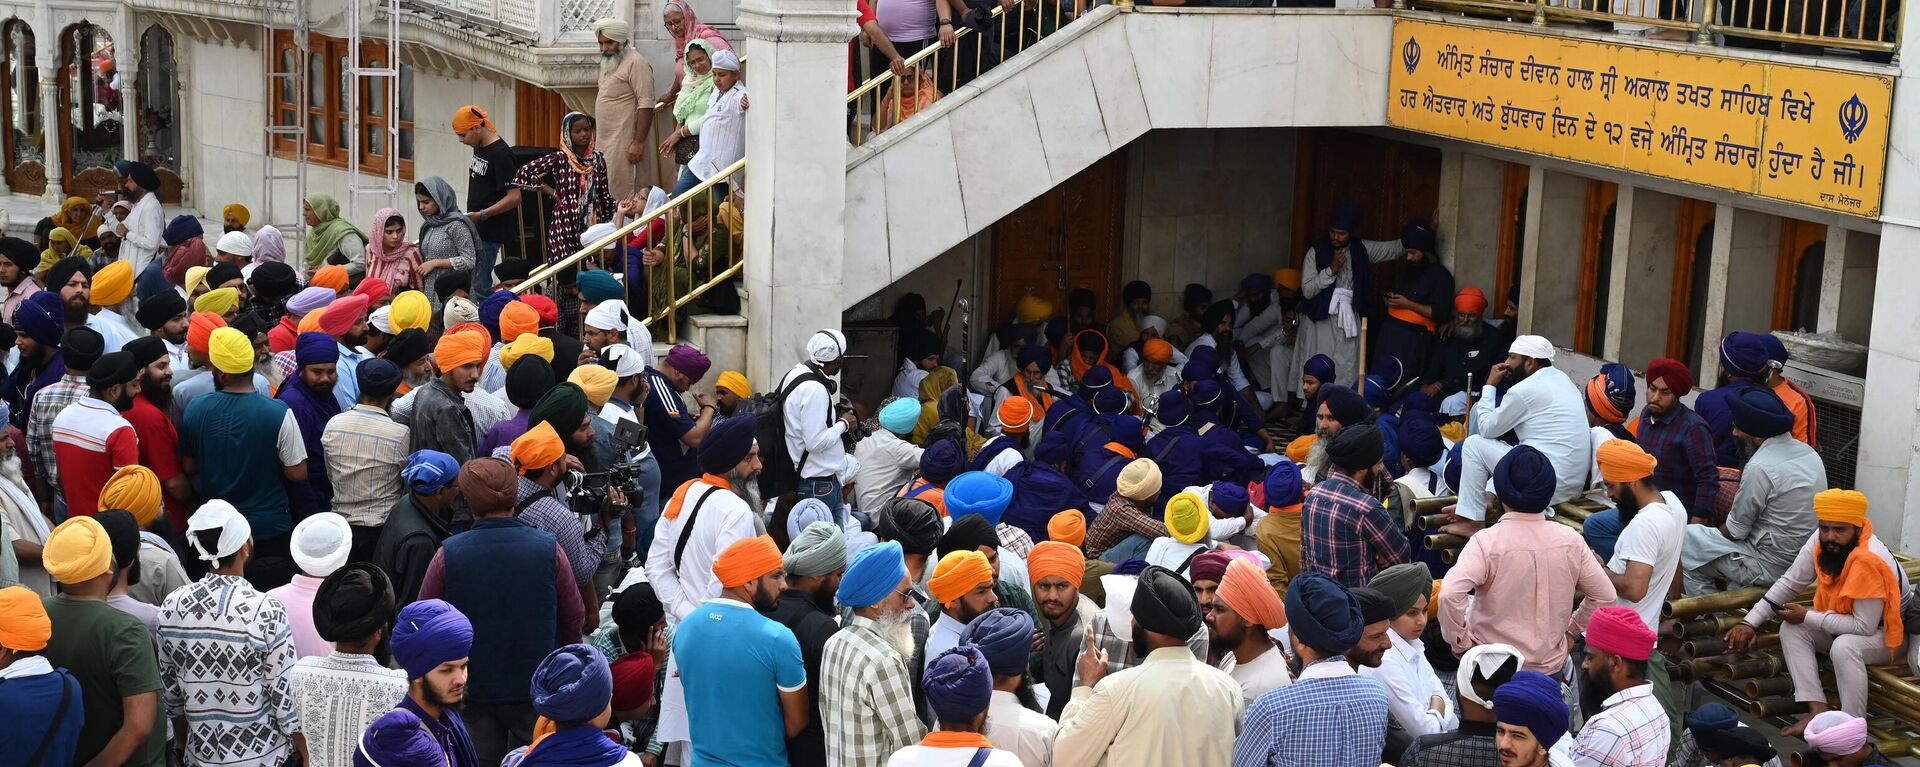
[[25, 145], [1596, 269], [1797, 275], [329, 119], [1687, 302]]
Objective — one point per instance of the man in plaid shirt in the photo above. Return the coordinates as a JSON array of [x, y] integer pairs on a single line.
[[1680, 439], [1632, 729], [1346, 533], [866, 698], [80, 348]]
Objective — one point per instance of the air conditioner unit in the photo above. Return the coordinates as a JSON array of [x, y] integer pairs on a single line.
[[1837, 399]]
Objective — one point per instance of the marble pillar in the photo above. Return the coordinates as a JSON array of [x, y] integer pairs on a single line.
[[796, 74], [56, 162]]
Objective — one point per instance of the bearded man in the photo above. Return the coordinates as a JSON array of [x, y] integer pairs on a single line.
[[91, 439], [623, 110], [160, 451], [866, 700], [815, 562], [1419, 303]]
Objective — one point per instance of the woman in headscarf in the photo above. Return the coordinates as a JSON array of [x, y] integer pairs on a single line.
[[61, 243], [448, 239], [685, 26], [695, 91], [574, 179], [76, 216], [269, 246], [389, 256], [945, 411], [186, 248], [332, 239]]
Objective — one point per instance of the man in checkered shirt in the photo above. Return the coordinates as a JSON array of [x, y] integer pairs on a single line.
[[866, 694], [1631, 729]]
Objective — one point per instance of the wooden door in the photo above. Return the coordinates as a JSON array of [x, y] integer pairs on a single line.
[[1596, 267], [1797, 275], [1393, 182], [1687, 302], [537, 114], [1067, 238]]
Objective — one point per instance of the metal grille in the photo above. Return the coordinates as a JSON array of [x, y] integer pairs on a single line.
[[1839, 439]]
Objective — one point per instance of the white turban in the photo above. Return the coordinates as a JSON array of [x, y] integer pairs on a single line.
[[614, 29], [321, 543], [1155, 321], [727, 60], [1484, 660], [826, 346], [236, 243], [219, 515], [609, 315], [382, 319]]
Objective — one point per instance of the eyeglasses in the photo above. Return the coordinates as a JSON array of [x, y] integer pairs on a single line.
[[913, 594]]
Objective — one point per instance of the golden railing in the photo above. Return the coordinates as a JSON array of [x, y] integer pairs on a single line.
[[1868, 26]]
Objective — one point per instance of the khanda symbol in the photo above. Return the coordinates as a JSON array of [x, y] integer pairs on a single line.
[[1410, 54], [1853, 118]]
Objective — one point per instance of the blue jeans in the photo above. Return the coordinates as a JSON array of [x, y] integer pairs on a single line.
[[483, 263], [828, 492], [1602, 530], [688, 181]]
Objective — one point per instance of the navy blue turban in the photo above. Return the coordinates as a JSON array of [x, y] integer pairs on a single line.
[[1036, 354], [1097, 377], [1320, 367], [1173, 408], [1283, 486], [1532, 700], [377, 377], [1760, 413], [1524, 480], [942, 461], [1345, 405], [1229, 497], [1004, 635], [1744, 354], [1346, 216], [727, 443], [1110, 400], [1322, 615], [1420, 440], [573, 685], [315, 348], [959, 684], [1418, 235], [428, 633]]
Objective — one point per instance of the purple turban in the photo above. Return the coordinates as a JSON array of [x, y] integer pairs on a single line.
[[959, 684], [573, 684], [312, 348], [687, 359], [428, 633], [305, 301]]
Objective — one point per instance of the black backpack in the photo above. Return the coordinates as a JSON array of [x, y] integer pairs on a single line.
[[779, 470]]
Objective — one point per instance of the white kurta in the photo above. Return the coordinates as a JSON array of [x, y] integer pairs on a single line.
[[1325, 336]]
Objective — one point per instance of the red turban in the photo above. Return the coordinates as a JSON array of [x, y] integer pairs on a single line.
[[1676, 374], [1470, 301], [342, 315]]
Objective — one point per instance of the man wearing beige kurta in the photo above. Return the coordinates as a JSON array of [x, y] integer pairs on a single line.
[[623, 111]]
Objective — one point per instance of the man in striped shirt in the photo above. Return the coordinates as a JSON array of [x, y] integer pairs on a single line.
[[91, 440], [366, 450]]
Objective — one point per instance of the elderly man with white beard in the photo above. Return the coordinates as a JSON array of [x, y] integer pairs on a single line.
[[623, 110], [866, 695]]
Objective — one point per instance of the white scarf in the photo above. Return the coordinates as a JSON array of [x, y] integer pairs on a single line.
[[1342, 308]]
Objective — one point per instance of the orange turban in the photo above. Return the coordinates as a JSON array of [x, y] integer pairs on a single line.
[[538, 448], [1016, 414], [200, 327], [134, 488], [1623, 461], [1245, 590], [518, 319], [1287, 277], [476, 328], [1298, 449], [1050, 559], [469, 117], [751, 558], [332, 277], [1846, 507], [311, 322], [1470, 301], [958, 573], [457, 349], [1068, 527], [112, 284], [24, 626], [1156, 350]]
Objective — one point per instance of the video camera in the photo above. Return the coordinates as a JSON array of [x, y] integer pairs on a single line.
[[589, 493]]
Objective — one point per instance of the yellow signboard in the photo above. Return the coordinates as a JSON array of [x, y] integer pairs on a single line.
[[1799, 134]]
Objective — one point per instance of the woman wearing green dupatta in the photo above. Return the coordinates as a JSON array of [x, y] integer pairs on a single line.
[[331, 239], [690, 108]]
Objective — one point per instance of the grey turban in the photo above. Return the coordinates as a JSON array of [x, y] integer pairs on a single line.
[[820, 549]]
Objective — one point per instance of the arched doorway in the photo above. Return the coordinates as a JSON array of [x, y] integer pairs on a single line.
[[25, 147], [159, 110], [91, 110]]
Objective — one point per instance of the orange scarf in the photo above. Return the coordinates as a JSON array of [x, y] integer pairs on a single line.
[[1041, 400], [1864, 576], [1122, 450], [680, 494], [946, 739]]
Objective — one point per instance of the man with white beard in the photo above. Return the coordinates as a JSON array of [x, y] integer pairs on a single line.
[[26, 527], [866, 697], [623, 110]]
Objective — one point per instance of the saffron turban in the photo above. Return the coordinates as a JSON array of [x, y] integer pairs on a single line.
[[24, 626], [819, 549], [733, 381], [78, 550], [217, 301], [1287, 277], [872, 575], [1156, 350], [572, 685], [1836, 733], [231, 351], [469, 117], [305, 301], [200, 329], [134, 488], [1186, 518], [1624, 461], [1139, 480], [1056, 559], [332, 277], [518, 319], [537, 449], [1246, 591], [1610, 393], [747, 559], [958, 573], [459, 349], [1016, 414], [428, 633], [1069, 527], [1619, 630], [112, 284], [1673, 372], [536, 345], [1031, 309], [1470, 301], [1532, 700], [1300, 448], [311, 322], [595, 381], [1845, 507], [410, 310]]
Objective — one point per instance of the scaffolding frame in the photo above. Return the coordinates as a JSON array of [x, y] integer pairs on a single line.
[[284, 170], [365, 78]]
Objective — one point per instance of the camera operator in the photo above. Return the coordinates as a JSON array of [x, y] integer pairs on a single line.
[[606, 469], [813, 433], [543, 458], [675, 433]]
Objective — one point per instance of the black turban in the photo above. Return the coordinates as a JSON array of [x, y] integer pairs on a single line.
[[352, 603], [111, 369], [252, 324], [445, 285], [1374, 606], [1136, 291], [1216, 313], [221, 274], [22, 253], [81, 347], [1736, 741], [1164, 603], [512, 269], [64, 270], [527, 380], [123, 535], [145, 350], [912, 522], [1344, 405], [163, 306], [1195, 295], [1356, 447], [272, 279], [564, 406], [408, 346], [637, 608], [921, 344], [566, 352], [969, 533]]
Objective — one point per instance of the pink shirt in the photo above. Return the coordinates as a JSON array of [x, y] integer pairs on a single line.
[[1515, 582], [297, 598]]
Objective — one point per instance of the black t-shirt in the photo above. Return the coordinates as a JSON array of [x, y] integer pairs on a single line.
[[488, 179]]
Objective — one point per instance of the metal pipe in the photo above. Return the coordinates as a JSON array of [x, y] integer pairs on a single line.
[[1431, 521], [1445, 541], [1780, 706], [1433, 505]]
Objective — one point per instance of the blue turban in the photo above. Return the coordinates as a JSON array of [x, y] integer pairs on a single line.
[[1202, 365], [315, 348], [428, 633], [33, 319], [490, 309], [1283, 486], [872, 575], [1532, 700], [1524, 480], [1346, 216], [977, 492], [1420, 440], [1379, 393], [1322, 614], [1417, 401], [1174, 408], [1320, 367], [1390, 371], [1036, 354], [1760, 413], [959, 684], [942, 461], [1109, 401], [1004, 635], [1418, 235], [1344, 404], [1126, 430], [573, 685], [1257, 284], [1713, 716], [1776, 351], [181, 229], [1133, 566], [398, 737], [1743, 354], [1097, 377], [598, 286], [900, 415], [429, 471], [727, 443], [1617, 381], [1452, 472], [1056, 330], [378, 377], [1206, 392], [1229, 497]]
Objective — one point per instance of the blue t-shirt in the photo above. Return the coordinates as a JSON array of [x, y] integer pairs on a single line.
[[235, 439], [733, 664], [667, 421], [28, 704]]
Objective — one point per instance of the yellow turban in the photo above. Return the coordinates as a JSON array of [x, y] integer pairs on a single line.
[[1287, 277], [222, 301], [1032, 308], [333, 277], [231, 351], [134, 488], [311, 322], [596, 381], [747, 559], [733, 381], [1187, 518], [538, 346], [1298, 449], [538, 448], [410, 310], [113, 283], [77, 551], [195, 276], [237, 212], [958, 573], [1846, 507], [24, 626], [1623, 461]]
